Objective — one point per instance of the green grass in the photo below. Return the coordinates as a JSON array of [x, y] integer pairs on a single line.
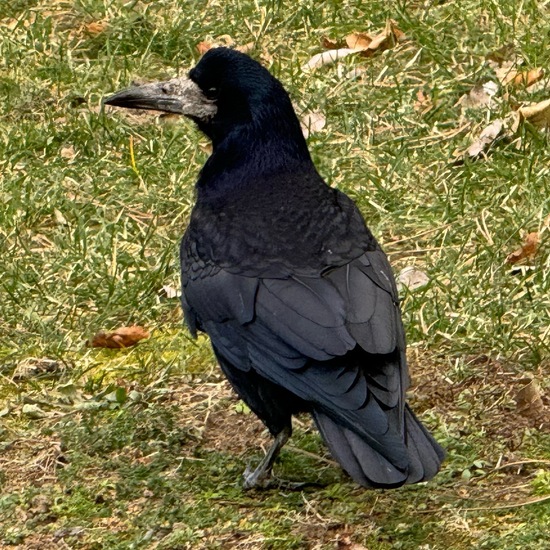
[[144, 448]]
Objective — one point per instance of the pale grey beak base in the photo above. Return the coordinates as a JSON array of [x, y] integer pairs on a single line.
[[179, 95]]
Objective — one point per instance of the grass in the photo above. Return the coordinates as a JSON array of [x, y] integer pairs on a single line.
[[143, 448]]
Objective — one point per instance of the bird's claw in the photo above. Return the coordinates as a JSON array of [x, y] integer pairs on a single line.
[[254, 479]]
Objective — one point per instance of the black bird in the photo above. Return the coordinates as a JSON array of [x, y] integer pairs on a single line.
[[280, 270]]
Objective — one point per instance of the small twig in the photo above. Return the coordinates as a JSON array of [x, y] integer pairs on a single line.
[[311, 455], [522, 462], [389, 244], [312, 509], [507, 506]]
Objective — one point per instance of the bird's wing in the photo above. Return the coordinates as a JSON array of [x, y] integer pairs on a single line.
[[335, 340]]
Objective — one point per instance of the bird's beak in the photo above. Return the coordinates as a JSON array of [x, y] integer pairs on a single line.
[[179, 95]]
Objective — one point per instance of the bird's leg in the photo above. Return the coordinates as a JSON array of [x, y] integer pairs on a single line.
[[261, 476]]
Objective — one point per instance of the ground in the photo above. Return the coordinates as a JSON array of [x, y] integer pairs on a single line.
[[144, 447]]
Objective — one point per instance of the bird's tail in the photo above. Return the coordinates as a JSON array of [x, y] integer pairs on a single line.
[[369, 467]]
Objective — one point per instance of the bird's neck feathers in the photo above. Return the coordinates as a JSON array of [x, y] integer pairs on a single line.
[[269, 142]]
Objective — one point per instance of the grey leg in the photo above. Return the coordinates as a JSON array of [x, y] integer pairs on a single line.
[[261, 477]]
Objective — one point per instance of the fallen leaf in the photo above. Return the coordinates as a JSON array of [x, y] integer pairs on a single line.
[[326, 58], [68, 152], [423, 102], [247, 48], [96, 27], [541, 85], [226, 41], [358, 40], [10, 23], [529, 399], [479, 96], [122, 337], [527, 251], [412, 277], [330, 44], [384, 40], [312, 122], [538, 114], [486, 138], [204, 46], [388, 38], [514, 77]]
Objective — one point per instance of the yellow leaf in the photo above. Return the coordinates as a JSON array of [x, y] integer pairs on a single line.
[[122, 337], [538, 114], [527, 251]]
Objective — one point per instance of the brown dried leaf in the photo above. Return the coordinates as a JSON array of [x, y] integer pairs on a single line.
[[486, 138], [538, 114], [529, 399], [396, 31], [527, 251], [513, 77], [123, 337], [330, 44], [68, 152], [423, 102], [358, 40], [96, 27], [226, 41], [384, 40], [246, 48], [388, 38], [204, 46], [10, 23]]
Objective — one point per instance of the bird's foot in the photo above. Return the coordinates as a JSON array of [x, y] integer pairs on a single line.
[[256, 479], [261, 479]]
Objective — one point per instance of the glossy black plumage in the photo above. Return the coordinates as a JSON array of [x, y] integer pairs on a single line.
[[299, 301]]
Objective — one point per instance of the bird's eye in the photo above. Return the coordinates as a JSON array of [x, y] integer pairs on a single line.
[[212, 93]]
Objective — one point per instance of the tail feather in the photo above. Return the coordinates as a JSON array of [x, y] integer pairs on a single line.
[[368, 467], [425, 453]]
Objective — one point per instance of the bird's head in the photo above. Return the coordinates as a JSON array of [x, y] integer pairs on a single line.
[[226, 93]]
